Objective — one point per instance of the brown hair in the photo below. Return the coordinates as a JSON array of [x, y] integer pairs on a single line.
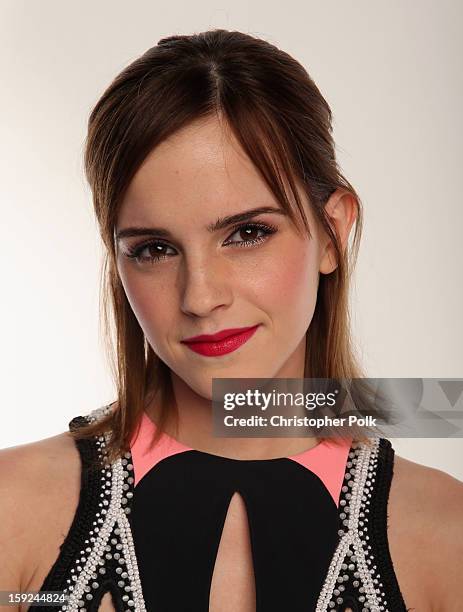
[[283, 123]]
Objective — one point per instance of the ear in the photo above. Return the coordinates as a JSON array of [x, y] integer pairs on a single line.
[[341, 207]]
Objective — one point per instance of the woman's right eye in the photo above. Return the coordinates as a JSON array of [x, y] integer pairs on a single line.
[[154, 247]]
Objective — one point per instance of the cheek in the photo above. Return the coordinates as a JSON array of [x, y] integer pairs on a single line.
[[288, 283], [151, 302]]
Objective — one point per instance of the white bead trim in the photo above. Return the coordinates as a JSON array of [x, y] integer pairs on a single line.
[[360, 566], [114, 538]]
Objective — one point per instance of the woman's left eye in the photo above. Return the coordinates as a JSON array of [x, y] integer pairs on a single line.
[[248, 229]]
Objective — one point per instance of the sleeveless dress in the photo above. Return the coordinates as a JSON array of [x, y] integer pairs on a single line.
[[148, 526]]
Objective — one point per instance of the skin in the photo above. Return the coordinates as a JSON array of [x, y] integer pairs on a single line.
[[205, 287], [204, 284]]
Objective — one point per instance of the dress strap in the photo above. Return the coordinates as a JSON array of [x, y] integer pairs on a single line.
[[362, 562], [379, 518], [90, 486]]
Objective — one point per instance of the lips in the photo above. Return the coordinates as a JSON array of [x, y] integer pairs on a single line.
[[222, 342], [224, 333]]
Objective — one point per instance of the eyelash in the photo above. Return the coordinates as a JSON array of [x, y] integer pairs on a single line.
[[135, 251]]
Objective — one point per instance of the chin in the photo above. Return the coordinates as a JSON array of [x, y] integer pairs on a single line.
[[204, 387]]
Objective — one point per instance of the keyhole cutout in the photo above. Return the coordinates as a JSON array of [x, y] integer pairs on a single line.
[[233, 582], [106, 603]]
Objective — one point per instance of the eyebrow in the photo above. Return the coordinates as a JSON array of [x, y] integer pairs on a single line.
[[221, 223]]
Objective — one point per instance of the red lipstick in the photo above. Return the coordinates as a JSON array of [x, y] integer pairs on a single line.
[[224, 341]]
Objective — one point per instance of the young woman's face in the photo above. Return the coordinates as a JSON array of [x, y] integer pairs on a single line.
[[190, 280]]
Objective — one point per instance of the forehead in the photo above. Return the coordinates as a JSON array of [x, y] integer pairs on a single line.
[[201, 168], [198, 174]]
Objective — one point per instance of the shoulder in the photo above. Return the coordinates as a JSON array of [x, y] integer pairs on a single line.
[[32, 465], [426, 506], [426, 489], [39, 491]]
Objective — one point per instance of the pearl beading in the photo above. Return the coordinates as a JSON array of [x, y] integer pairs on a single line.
[[110, 540], [358, 575]]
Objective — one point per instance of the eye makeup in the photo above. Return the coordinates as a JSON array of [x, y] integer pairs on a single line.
[[135, 251]]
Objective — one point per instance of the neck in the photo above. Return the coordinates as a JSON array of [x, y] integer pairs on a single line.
[[194, 426]]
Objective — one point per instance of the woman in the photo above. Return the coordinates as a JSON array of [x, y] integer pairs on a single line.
[[221, 206]]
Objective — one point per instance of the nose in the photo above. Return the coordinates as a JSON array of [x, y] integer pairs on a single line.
[[205, 286]]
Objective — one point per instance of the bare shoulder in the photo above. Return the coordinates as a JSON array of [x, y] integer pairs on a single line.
[[39, 492], [31, 467], [427, 490], [429, 481], [426, 511]]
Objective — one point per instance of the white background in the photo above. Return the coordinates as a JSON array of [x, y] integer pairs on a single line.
[[392, 73]]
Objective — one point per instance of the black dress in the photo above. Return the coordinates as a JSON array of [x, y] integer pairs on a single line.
[[152, 540]]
